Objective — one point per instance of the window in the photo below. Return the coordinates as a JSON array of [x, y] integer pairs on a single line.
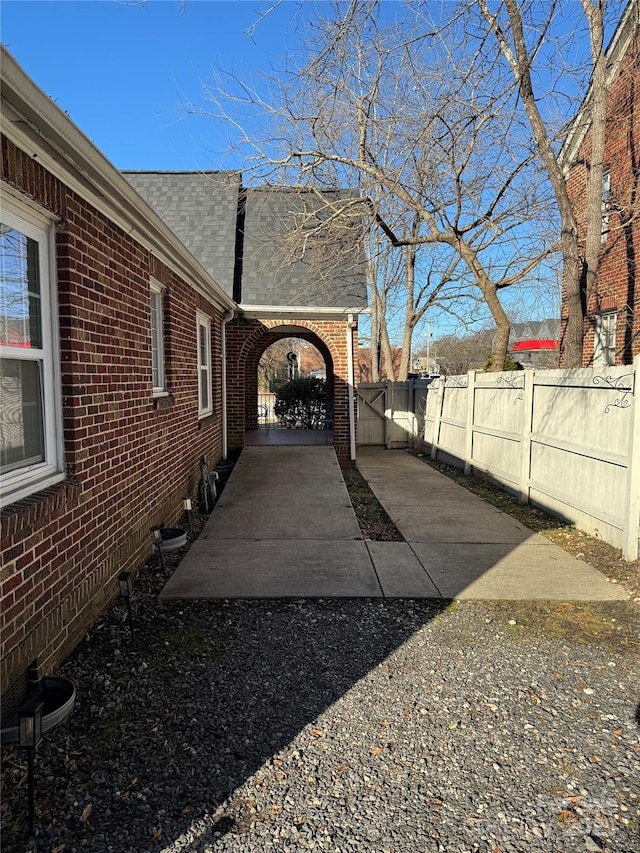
[[205, 405], [157, 339], [606, 202], [604, 350], [30, 423]]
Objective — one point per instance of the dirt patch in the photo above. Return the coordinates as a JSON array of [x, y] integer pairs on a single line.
[[595, 552], [610, 625], [373, 520]]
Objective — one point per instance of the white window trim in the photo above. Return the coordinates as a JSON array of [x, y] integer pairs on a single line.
[[157, 290], [600, 351], [18, 484], [203, 321]]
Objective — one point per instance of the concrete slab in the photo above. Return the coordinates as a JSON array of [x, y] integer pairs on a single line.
[[399, 571], [459, 522], [513, 572], [274, 569], [414, 492], [469, 548], [288, 493], [284, 528]]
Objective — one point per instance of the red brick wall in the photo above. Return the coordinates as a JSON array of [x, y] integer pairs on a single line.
[[246, 342], [618, 277], [130, 458]]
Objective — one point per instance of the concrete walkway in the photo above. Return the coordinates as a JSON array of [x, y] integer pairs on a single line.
[[284, 528]]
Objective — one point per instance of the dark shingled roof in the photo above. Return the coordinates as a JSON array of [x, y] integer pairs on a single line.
[[293, 249], [201, 208]]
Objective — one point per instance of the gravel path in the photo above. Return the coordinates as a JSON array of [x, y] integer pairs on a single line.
[[343, 726]]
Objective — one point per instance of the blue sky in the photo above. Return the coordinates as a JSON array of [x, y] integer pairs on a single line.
[[121, 70]]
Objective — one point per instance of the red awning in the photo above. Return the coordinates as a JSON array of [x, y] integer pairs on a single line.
[[534, 344]]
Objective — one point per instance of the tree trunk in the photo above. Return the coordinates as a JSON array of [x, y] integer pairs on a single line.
[[375, 334], [409, 313], [593, 244], [520, 63], [503, 327]]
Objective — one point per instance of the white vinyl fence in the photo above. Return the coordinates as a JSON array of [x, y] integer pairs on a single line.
[[567, 440]]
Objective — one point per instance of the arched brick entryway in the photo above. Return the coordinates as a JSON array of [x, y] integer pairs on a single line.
[[247, 339]]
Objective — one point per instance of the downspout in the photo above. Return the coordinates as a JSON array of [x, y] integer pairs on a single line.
[[223, 352], [350, 380]]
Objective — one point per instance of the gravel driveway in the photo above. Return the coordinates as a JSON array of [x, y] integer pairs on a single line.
[[343, 726]]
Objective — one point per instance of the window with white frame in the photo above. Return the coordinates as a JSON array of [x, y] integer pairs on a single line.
[[31, 451], [157, 338], [604, 350], [205, 403]]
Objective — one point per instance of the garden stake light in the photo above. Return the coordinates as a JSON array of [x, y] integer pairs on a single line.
[[29, 736], [125, 582], [156, 533], [186, 506]]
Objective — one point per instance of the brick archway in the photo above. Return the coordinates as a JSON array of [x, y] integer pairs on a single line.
[[248, 339]]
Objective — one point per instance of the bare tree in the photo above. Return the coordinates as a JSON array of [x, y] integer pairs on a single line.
[[423, 132]]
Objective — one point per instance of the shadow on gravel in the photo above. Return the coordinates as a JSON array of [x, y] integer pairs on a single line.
[[168, 726]]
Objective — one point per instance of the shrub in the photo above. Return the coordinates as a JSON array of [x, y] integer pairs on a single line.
[[302, 402]]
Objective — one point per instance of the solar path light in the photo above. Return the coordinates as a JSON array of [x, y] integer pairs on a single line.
[[156, 533], [125, 583], [186, 506], [29, 736]]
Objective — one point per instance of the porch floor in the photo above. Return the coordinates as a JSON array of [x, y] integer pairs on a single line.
[[288, 438]]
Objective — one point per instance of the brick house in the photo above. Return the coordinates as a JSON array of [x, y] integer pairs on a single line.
[[285, 284], [612, 329], [125, 359]]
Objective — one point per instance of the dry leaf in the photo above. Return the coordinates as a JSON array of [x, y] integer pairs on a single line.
[[567, 817], [576, 799], [317, 732], [124, 795], [618, 732], [376, 750], [156, 835], [59, 849], [407, 713], [84, 817], [385, 723], [186, 810], [595, 759], [343, 767], [277, 762], [275, 808]]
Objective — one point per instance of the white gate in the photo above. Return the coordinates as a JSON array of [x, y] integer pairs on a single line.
[[391, 414]]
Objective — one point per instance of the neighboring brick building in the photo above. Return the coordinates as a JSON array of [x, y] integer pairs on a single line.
[[114, 337], [612, 328]]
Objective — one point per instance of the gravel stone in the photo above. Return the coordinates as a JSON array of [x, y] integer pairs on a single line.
[[335, 725]]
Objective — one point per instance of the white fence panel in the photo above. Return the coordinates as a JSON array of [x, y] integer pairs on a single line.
[[569, 440]]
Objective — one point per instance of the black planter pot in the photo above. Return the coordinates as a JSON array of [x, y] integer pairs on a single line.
[[173, 538], [59, 698]]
